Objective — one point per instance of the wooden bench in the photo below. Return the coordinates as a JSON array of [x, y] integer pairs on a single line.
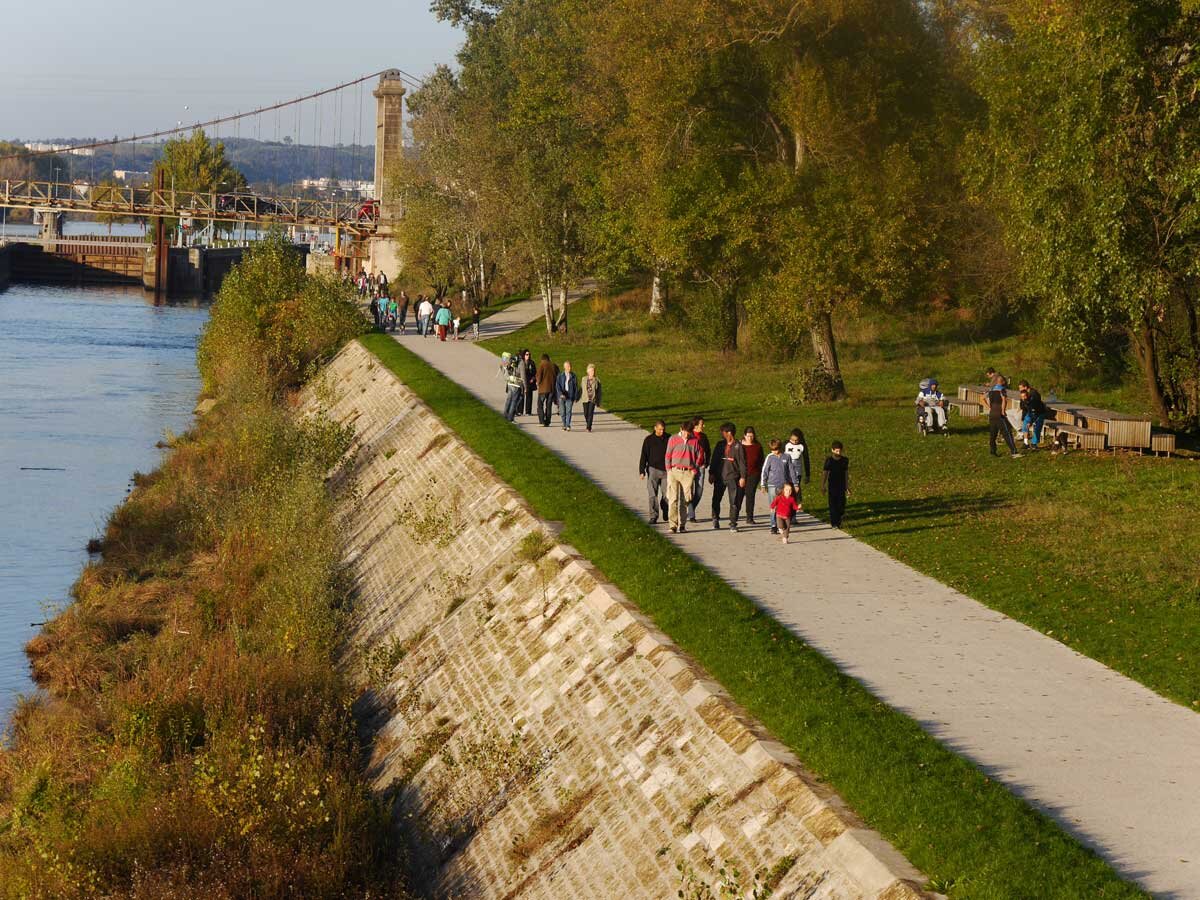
[[1083, 438], [966, 408], [1162, 442]]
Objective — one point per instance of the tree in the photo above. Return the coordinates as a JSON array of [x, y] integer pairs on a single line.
[[1091, 158], [197, 164], [107, 191]]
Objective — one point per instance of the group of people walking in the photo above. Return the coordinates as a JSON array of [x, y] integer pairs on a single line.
[[553, 388], [434, 316], [675, 469]]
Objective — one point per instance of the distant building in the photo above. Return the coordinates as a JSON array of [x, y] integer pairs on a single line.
[[131, 177], [41, 147], [350, 186]]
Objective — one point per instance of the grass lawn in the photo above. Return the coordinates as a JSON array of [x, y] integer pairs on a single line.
[[1099, 552], [968, 833]]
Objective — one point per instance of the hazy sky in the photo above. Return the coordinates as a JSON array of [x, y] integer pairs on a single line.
[[107, 67]]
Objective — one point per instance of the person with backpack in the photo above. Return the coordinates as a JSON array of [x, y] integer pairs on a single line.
[[566, 391], [514, 385]]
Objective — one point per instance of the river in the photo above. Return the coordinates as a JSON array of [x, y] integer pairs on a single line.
[[89, 379]]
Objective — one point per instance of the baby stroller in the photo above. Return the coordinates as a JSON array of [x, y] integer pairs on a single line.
[[932, 409]]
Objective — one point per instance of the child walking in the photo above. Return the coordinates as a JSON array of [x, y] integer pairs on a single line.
[[776, 472], [782, 507], [835, 481]]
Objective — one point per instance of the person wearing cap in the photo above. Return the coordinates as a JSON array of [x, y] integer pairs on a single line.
[[931, 401]]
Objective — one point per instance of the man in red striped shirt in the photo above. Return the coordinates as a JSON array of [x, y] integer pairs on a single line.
[[684, 460]]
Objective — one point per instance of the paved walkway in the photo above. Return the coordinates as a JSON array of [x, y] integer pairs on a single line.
[[1116, 764]]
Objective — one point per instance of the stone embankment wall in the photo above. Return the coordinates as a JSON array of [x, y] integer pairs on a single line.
[[538, 736], [5, 265]]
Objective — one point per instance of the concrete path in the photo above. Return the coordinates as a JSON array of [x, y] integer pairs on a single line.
[[1116, 764]]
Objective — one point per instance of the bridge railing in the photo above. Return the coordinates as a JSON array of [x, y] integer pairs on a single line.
[[210, 205]]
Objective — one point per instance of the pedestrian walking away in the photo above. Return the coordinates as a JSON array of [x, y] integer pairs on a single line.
[[727, 475], [1033, 414], [566, 392], [778, 471], [403, 310], [683, 463], [997, 419], [652, 468], [442, 317], [547, 375], [754, 463], [375, 310], [783, 506], [835, 482], [424, 314], [706, 450], [591, 395]]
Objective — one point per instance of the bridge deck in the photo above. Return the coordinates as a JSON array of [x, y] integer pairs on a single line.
[[356, 216]]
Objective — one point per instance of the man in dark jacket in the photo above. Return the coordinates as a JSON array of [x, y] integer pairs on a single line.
[[727, 475], [547, 374], [530, 371], [652, 468]]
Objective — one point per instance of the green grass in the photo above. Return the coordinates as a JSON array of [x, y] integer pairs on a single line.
[[1098, 552], [962, 829]]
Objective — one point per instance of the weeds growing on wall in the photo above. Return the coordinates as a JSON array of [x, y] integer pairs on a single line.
[[192, 736]]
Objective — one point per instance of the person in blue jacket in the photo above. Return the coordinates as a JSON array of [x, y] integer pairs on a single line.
[[566, 391]]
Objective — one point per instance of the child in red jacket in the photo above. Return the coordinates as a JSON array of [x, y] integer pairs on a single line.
[[784, 506]]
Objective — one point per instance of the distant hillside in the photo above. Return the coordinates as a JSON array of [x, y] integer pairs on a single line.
[[262, 162]]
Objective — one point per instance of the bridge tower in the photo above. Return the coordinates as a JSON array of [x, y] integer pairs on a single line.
[[389, 146]]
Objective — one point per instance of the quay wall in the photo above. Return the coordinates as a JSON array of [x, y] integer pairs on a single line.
[[5, 265], [535, 734]]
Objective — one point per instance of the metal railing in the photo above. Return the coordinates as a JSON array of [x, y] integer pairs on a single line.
[[354, 215]]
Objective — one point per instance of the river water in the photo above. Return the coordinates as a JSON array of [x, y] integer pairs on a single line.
[[89, 380]]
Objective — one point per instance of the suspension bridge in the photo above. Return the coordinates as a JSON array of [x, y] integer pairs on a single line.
[[358, 221]]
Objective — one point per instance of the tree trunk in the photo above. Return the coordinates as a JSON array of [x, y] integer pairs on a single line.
[[825, 348], [547, 303], [1147, 357], [562, 313], [658, 300]]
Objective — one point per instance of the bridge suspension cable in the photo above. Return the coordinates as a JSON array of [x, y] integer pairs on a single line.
[[180, 129]]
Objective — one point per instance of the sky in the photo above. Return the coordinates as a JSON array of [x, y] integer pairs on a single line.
[[118, 67]]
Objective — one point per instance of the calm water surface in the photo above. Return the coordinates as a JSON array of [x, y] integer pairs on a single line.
[[89, 379]]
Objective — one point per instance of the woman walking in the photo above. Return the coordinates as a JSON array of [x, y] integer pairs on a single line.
[[754, 463], [591, 395]]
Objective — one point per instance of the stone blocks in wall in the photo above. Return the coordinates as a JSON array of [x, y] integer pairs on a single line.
[[538, 735]]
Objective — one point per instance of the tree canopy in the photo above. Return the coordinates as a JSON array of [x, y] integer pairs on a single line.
[[781, 161]]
